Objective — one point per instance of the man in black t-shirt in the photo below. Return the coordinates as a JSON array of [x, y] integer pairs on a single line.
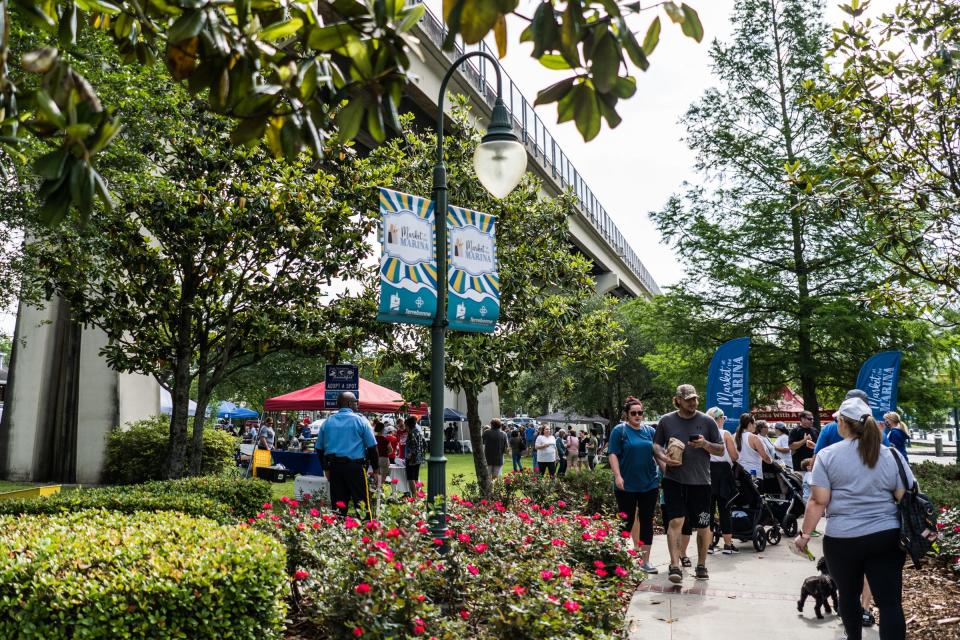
[[803, 439], [686, 483]]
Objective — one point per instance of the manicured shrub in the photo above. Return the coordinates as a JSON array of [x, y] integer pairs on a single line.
[[949, 542], [99, 575], [528, 570], [941, 482], [139, 452], [588, 491], [244, 497], [223, 499], [121, 500]]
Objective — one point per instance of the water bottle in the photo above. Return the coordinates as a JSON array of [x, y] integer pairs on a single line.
[[753, 473]]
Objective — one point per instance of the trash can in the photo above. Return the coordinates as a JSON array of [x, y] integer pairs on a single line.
[[938, 444]]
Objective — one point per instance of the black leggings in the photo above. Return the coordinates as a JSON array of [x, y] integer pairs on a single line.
[[548, 466], [718, 504], [639, 505], [878, 557]]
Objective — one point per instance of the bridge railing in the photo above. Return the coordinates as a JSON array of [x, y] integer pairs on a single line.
[[539, 142]]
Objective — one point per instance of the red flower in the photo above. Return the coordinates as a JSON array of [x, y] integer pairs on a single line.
[[284, 499], [464, 614], [624, 534], [357, 631], [421, 598], [480, 548], [620, 571], [363, 588], [571, 606], [601, 572], [557, 542], [473, 570], [622, 514], [350, 523], [941, 525], [371, 561], [464, 538], [546, 574], [518, 590], [300, 574], [314, 512], [393, 533], [956, 529], [394, 480], [561, 503], [598, 564], [438, 541], [267, 505], [340, 504], [565, 571], [307, 496], [586, 535]]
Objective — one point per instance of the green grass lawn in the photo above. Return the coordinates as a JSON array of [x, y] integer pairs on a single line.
[[457, 464], [14, 486]]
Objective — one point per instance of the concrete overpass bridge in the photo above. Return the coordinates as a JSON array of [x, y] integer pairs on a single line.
[[617, 267]]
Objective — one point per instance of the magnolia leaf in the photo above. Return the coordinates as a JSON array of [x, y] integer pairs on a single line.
[[500, 34], [652, 38], [691, 26]]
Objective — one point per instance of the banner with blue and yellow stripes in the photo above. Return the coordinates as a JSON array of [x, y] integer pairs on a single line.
[[473, 291], [408, 265]]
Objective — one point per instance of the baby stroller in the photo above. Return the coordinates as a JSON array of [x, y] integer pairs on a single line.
[[788, 508], [750, 514]]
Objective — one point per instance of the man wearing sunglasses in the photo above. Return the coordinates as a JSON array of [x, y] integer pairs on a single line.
[[686, 483]]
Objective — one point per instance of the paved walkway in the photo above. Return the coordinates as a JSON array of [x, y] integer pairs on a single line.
[[750, 596]]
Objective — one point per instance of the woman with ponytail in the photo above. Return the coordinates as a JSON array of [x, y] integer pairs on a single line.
[[855, 483], [752, 452], [635, 483]]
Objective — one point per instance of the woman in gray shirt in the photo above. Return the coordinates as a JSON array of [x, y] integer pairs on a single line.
[[856, 482]]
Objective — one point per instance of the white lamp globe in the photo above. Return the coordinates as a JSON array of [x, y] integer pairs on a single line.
[[500, 160]]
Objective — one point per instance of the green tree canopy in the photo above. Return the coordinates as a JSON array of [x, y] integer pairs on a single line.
[[290, 71], [765, 257], [891, 102], [545, 287]]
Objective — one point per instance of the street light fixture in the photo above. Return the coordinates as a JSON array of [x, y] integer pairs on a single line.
[[500, 162]]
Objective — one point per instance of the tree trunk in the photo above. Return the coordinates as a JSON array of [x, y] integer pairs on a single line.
[[179, 414], [199, 418], [476, 440], [805, 365]]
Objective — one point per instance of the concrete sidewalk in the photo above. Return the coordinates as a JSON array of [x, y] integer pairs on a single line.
[[750, 596]]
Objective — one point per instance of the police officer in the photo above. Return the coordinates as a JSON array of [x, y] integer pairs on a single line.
[[345, 446]]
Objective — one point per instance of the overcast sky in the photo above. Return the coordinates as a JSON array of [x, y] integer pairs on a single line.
[[634, 168]]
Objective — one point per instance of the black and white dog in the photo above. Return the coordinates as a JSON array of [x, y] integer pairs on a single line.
[[820, 587]]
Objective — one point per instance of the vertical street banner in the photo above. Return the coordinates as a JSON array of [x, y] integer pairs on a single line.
[[408, 266], [728, 380], [473, 292], [879, 377]]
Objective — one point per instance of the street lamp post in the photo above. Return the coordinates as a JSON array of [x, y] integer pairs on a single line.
[[500, 162]]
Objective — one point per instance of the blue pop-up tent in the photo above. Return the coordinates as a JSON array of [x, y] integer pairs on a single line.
[[232, 411]]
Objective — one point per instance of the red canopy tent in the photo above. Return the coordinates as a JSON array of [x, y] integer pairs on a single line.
[[787, 409], [373, 398]]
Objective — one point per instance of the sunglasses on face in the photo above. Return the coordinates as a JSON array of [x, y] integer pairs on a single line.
[[636, 413]]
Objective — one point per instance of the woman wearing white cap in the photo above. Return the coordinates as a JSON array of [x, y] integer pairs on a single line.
[[856, 482]]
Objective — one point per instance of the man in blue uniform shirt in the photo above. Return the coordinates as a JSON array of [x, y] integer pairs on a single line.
[[346, 445]]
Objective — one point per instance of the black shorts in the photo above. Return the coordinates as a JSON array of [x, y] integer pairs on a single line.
[[690, 501]]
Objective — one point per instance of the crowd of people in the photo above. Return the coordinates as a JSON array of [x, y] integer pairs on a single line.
[[685, 465], [851, 467]]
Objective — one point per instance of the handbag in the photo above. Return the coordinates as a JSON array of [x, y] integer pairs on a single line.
[[918, 519]]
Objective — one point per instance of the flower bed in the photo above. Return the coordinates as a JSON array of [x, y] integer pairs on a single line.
[[525, 570], [95, 574]]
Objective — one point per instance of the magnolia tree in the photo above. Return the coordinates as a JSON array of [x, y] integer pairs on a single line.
[[545, 286]]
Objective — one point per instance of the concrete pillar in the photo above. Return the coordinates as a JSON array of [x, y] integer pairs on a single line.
[[607, 282], [32, 413]]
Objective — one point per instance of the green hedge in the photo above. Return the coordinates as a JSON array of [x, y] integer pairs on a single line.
[[93, 574], [244, 497], [939, 481], [222, 499], [139, 452]]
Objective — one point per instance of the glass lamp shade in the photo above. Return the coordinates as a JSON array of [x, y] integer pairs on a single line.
[[500, 165]]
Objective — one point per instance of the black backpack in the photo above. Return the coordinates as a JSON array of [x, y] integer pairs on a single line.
[[918, 519]]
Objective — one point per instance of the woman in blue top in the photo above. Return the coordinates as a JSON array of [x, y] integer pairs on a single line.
[[636, 486], [895, 432]]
